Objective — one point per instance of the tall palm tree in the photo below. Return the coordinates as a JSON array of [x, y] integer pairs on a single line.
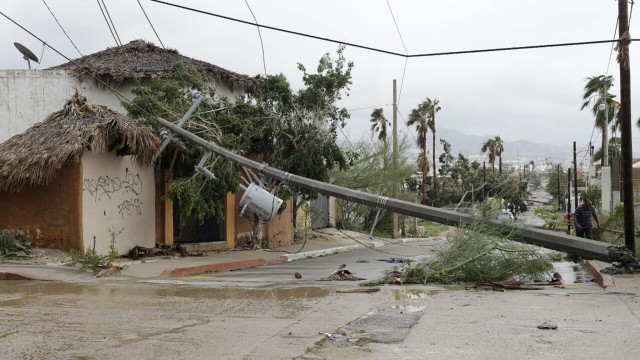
[[379, 124], [432, 108], [489, 147], [418, 117], [499, 150], [596, 92]]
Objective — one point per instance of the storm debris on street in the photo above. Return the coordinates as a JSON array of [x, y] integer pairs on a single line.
[[342, 274]]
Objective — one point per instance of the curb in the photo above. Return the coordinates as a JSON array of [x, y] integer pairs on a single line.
[[233, 265], [177, 272], [594, 267], [20, 276]]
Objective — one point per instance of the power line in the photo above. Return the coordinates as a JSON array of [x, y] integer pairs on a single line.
[[112, 24], [153, 28], [264, 61], [397, 28], [96, 78], [108, 25], [512, 48], [60, 25]]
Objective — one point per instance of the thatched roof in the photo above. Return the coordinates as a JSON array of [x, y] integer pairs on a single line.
[[140, 59], [36, 156]]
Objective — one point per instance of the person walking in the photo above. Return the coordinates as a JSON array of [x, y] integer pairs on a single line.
[[582, 219]]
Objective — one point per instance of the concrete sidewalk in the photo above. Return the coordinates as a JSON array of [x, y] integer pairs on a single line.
[[320, 243]]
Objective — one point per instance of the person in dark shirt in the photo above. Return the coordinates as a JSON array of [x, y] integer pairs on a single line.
[[582, 219]]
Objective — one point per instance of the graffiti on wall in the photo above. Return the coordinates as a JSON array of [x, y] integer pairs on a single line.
[[106, 187], [130, 207]]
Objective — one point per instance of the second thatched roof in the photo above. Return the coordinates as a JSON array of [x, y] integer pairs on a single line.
[[139, 59], [36, 156]]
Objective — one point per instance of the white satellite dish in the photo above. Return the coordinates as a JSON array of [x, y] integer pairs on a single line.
[[26, 54]]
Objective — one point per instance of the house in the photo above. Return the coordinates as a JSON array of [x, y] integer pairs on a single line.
[[82, 176], [31, 95]]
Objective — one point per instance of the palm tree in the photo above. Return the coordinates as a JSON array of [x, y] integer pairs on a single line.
[[489, 147], [418, 117], [379, 124], [499, 150], [596, 92], [432, 108]]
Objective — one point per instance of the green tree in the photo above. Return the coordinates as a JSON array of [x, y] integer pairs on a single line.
[[596, 92], [489, 147], [291, 130], [418, 118]]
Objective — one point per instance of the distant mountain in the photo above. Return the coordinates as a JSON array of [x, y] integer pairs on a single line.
[[513, 150]]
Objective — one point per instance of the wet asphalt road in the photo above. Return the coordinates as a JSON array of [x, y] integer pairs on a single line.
[[369, 264]]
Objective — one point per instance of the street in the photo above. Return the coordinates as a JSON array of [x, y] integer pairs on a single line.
[[266, 313]]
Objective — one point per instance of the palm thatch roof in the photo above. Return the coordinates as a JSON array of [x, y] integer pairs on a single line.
[[36, 156], [139, 59]]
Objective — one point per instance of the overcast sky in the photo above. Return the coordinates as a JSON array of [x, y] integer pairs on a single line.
[[530, 95]]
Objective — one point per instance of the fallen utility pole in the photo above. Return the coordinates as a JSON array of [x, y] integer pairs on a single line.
[[577, 246]]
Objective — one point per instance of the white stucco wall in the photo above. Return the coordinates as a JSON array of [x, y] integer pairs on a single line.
[[29, 96], [117, 194]]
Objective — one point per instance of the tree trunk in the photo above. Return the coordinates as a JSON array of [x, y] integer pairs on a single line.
[[424, 174], [500, 164], [434, 153]]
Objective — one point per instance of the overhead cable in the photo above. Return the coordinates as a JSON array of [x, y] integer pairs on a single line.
[[60, 25], [149, 20], [105, 19], [512, 48]]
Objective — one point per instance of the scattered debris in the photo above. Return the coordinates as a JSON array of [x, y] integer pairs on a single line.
[[334, 337], [397, 260], [298, 275], [342, 274], [548, 326], [140, 251], [7, 333], [623, 260], [362, 290], [510, 284], [114, 270]]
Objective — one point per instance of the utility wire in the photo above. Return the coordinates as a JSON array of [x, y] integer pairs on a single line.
[[108, 25], [63, 30], [112, 24], [397, 28], [264, 61], [153, 28], [96, 78], [386, 51]]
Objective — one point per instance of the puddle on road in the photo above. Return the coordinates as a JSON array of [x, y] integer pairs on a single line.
[[572, 273], [16, 291]]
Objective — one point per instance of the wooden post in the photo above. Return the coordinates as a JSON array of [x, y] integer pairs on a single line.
[[625, 130]]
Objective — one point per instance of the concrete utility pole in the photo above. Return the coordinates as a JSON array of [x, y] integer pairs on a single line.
[[484, 177], [625, 125], [394, 216], [569, 199], [582, 247], [575, 176], [559, 195]]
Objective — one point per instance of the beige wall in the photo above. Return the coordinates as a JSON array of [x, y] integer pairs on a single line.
[[29, 96], [117, 194]]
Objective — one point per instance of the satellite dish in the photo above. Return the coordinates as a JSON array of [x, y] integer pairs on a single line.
[[26, 53]]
